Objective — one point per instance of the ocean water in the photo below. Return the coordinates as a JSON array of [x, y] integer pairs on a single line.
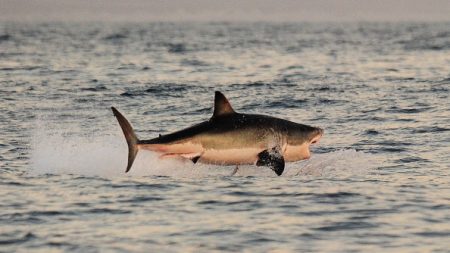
[[378, 181]]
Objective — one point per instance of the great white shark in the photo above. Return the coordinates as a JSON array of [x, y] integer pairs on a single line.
[[230, 138]]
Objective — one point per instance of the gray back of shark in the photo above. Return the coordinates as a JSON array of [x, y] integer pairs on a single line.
[[230, 138]]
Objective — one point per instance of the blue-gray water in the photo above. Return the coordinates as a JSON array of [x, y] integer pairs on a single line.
[[378, 180]]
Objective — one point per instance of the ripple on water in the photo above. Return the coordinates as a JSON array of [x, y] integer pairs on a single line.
[[95, 89], [176, 48], [20, 218], [349, 225], [143, 186], [287, 103], [432, 129], [164, 89], [371, 132], [16, 238], [413, 159], [142, 199], [396, 109]]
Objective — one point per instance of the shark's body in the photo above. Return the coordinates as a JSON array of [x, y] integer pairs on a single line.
[[230, 138]]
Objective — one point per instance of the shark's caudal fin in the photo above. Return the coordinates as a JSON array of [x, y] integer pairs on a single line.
[[130, 136]]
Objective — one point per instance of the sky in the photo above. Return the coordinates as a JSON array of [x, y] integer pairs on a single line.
[[225, 10]]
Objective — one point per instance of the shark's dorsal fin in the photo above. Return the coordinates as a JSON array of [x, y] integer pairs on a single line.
[[221, 105]]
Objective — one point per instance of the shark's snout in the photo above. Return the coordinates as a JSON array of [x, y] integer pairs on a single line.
[[317, 135]]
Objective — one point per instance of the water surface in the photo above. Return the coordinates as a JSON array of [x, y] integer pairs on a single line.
[[378, 180]]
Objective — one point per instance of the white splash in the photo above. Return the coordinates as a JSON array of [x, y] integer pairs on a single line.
[[341, 163], [56, 152]]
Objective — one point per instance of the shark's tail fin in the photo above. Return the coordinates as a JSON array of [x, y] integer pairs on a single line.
[[130, 136]]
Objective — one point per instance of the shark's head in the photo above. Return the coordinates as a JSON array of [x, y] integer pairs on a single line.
[[314, 136], [299, 142]]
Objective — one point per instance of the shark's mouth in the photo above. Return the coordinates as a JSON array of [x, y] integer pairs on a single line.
[[317, 137]]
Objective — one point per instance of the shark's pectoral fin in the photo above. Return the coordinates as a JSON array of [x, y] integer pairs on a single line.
[[195, 159], [272, 159]]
